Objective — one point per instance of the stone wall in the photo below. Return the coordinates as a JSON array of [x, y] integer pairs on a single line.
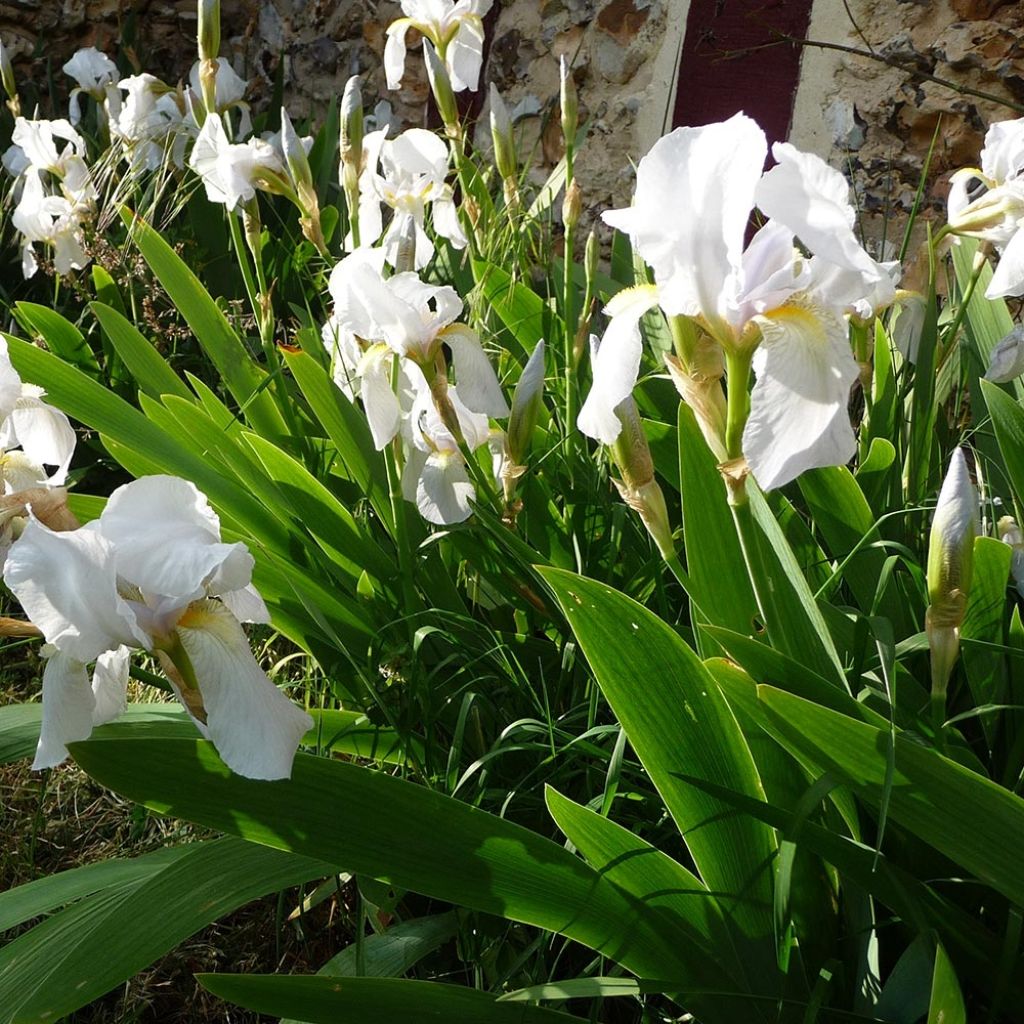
[[871, 115], [623, 53], [875, 115]]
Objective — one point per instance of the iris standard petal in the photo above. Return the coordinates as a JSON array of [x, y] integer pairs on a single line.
[[1002, 157], [246, 604], [167, 542], [465, 54], [415, 152], [813, 201], [372, 307], [694, 193]]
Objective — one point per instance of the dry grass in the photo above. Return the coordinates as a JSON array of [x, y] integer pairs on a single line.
[[60, 819]]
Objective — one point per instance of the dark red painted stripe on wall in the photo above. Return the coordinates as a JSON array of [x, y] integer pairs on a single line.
[[757, 79]]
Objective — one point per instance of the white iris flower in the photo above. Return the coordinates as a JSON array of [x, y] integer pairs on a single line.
[[435, 476], [51, 219], [232, 171], [456, 29], [988, 203], [152, 573], [229, 95], [694, 195], [415, 167], [33, 434], [95, 74], [147, 121], [403, 316]]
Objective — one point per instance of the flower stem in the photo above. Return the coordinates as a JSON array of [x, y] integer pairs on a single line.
[[393, 468], [979, 265], [737, 368], [569, 311]]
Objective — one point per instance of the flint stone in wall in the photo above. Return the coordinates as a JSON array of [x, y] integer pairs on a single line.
[[976, 46]]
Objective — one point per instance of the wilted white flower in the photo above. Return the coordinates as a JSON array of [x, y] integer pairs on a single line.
[[152, 573], [455, 27]]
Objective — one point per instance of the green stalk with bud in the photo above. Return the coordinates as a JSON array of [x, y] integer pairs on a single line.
[[950, 568]]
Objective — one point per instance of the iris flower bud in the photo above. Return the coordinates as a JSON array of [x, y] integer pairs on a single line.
[[1006, 361], [638, 488], [501, 134], [351, 141], [302, 179], [572, 205], [590, 260], [526, 403], [441, 86], [950, 565], [209, 29], [569, 102], [7, 73]]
